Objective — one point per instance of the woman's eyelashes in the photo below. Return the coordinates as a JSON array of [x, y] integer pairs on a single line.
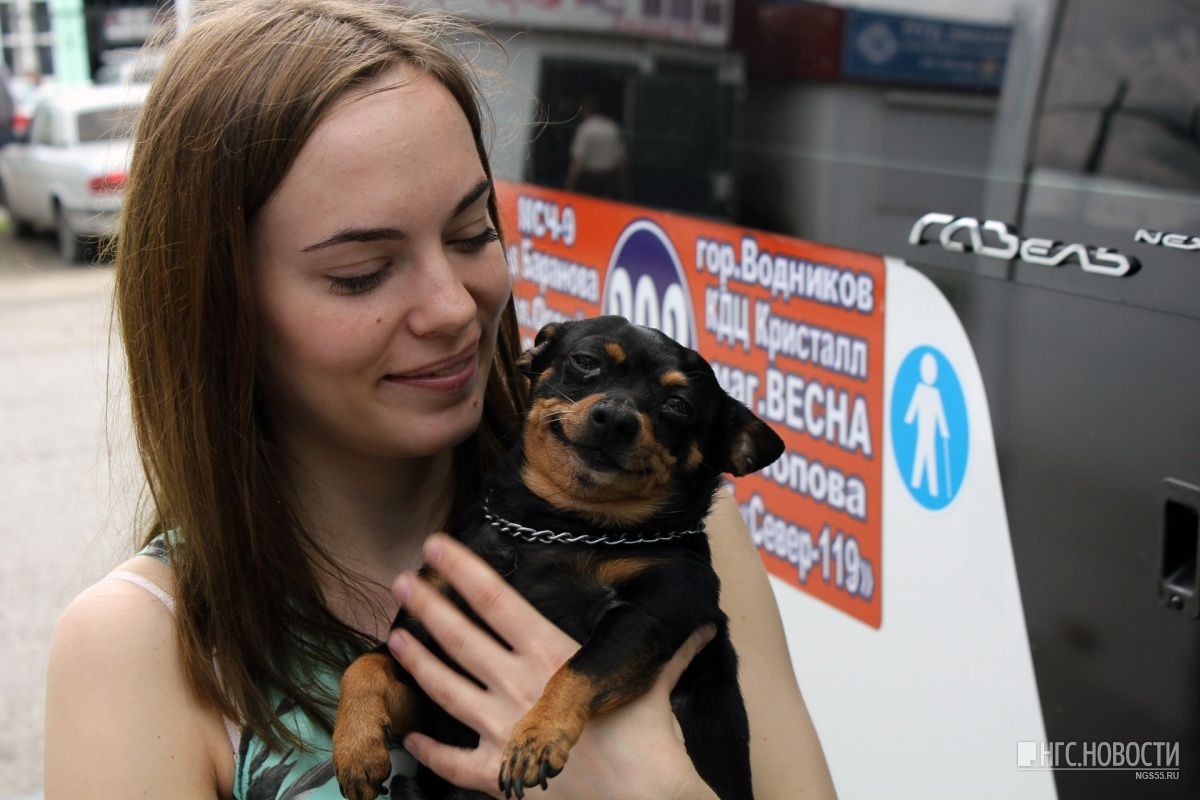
[[357, 284], [477, 242]]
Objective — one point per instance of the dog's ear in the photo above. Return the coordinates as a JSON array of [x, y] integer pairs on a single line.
[[753, 445], [534, 360]]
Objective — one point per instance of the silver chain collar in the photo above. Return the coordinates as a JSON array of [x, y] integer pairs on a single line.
[[564, 537]]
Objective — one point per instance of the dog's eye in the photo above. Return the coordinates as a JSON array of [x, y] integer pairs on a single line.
[[679, 406], [585, 363]]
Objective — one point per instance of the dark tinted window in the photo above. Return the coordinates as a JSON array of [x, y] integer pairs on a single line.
[[1123, 97], [41, 17]]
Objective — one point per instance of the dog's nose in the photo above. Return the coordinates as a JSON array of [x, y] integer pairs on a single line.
[[614, 421]]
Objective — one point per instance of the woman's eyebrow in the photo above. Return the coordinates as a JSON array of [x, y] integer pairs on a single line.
[[379, 234], [356, 235], [477, 191]]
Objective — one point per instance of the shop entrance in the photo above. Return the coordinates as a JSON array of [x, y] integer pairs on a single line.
[[679, 128], [564, 86]]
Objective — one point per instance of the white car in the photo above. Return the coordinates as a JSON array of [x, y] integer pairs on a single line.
[[129, 67], [67, 173]]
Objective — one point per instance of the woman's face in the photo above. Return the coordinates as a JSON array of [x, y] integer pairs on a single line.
[[378, 278]]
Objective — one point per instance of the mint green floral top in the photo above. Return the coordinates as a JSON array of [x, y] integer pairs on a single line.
[[263, 774]]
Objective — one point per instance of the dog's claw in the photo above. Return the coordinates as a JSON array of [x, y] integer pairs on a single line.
[[361, 762], [532, 758], [357, 791], [519, 782], [513, 784], [522, 770], [367, 789], [514, 787]]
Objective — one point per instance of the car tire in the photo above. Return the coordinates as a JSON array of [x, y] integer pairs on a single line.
[[21, 228], [71, 248]]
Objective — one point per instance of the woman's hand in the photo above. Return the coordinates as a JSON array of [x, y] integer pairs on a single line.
[[634, 752]]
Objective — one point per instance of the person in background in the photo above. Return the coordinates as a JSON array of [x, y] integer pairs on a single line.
[[321, 340], [598, 156]]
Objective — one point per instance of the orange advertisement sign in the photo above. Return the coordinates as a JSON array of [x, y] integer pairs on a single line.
[[793, 329]]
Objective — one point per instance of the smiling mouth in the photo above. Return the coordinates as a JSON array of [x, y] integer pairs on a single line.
[[445, 371], [463, 362]]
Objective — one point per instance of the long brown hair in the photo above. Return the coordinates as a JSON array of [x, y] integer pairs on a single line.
[[236, 98]]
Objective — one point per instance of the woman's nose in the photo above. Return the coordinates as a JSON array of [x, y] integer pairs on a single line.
[[442, 304]]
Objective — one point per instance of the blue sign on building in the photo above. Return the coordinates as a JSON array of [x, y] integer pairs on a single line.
[[931, 430], [918, 50]]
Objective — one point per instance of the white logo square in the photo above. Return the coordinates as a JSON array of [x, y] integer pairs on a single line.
[[1027, 754]]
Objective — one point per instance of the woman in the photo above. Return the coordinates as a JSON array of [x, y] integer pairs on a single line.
[[320, 340]]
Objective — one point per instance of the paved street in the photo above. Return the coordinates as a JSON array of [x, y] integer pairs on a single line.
[[66, 474]]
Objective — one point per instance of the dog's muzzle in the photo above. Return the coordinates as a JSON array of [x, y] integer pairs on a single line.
[[610, 433]]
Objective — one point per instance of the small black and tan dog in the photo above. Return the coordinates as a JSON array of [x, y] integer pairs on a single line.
[[597, 517]]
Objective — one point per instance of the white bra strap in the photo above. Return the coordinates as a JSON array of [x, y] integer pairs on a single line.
[[234, 734], [231, 728], [147, 584]]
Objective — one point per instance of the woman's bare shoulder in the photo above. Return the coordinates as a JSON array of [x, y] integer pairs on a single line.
[[119, 711], [120, 620]]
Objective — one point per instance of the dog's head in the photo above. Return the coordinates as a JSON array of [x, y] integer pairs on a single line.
[[625, 423]]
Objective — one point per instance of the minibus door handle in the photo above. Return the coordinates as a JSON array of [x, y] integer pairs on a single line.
[[1178, 579]]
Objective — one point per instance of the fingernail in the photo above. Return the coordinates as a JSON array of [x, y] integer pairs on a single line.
[[397, 642], [434, 547], [705, 634], [402, 588]]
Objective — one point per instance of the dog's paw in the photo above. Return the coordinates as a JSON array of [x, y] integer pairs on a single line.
[[536, 753], [360, 761]]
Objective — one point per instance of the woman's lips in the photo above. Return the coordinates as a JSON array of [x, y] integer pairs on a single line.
[[449, 378]]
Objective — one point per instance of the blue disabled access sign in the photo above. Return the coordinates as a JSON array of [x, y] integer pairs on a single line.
[[896, 48], [930, 428]]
